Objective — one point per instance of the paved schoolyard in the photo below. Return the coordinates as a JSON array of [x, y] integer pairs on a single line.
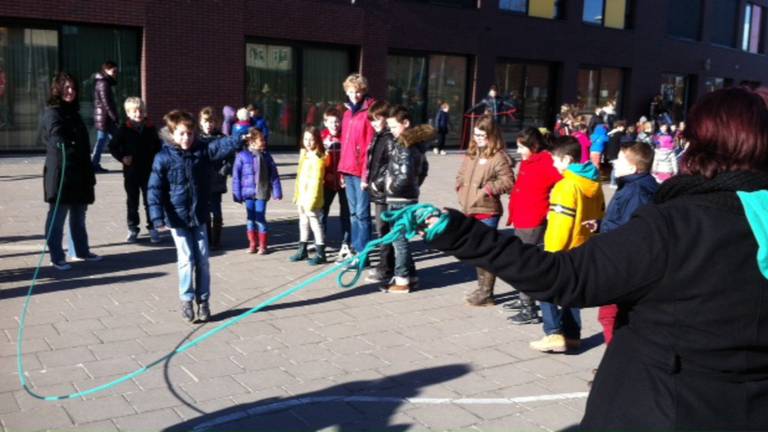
[[324, 359]]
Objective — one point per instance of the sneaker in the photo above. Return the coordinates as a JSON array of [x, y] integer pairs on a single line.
[[154, 236], [203, 311], [435, 150], [132, 237], [554, 343], [400, 285], [443, 153], [374, 276], [91, 257], [61, 265], [344, 253], [187, 312], [525, 316]]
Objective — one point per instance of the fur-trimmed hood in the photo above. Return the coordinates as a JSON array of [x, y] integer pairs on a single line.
[[417, 135]]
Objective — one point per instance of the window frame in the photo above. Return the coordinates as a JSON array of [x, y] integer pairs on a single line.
[[746, 29], [629, 11], [559, 11]]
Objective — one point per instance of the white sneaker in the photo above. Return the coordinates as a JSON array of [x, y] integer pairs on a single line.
[[344, 253], [443, 153], [132, 237], [63, 266], [154, 236], [92, 257], [435, 150]]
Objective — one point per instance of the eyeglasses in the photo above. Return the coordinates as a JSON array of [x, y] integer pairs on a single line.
[[483, 136]]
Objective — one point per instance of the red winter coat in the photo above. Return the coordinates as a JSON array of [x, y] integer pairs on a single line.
[[529, 200], [356, 134]]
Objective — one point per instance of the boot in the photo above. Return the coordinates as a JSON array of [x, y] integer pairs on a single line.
[[263, 243], [216, 234], [253, 241], [319, 257], [483, 295], [301, 253]]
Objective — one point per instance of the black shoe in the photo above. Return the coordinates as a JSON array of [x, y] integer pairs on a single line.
[[301, 253], [203, 311], [319, 257], [525, 316], [187, 312]]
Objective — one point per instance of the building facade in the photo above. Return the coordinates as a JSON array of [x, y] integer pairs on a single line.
[[289, 57]]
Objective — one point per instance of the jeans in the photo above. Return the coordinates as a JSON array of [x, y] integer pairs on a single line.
[[77, 235], [491, 222], [343, 213], [134, 188], [102, 140], [215, 204], [386, 264], [404, 266], [257, 215], [561, 320], [359, 212], [441, 140], [192, 261]]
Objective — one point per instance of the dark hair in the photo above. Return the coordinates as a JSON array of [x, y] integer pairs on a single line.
[[728, 131], [254, 135], [379, 108], [315, 132], [60, 81], [178, 117], [207, 112], [400, 113], [620, 123], [109, 64], [333, 112], [532, 138], [640, 155], [566, 146]]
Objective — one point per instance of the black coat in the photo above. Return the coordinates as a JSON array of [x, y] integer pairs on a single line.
[[142, 144], [378, 158], [407, 166], [692, 353], [219, 169], [104, 108], [63, 126]]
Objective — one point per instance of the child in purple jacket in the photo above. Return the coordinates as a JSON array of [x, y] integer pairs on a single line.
[[254, 181]]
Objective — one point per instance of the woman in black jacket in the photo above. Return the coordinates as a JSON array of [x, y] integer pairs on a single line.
[[690, 276], [63, 131]]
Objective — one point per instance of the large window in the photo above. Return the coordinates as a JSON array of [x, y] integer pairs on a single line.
[[527, 87], [752, 38], [715, 83], [684, 18], [550, 9], [30, 56], [723, 21], [422, 83], [607, 13], [597, 87], [293, 85], [675, 95]]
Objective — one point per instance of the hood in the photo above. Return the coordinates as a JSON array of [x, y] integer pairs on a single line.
[[585, 176], [417, 135], [756, 209], [645, 181]]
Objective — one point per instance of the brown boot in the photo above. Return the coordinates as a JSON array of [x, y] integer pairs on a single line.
[[253, 241], [216, 234], [483, 294]]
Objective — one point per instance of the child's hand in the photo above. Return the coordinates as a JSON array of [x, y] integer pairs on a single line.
[[363, 185], [127, 160], [592, 225], [342, 182]]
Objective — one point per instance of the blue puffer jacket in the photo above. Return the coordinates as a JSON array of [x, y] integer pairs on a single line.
[[179, 185], [246, 173], [635, 191]]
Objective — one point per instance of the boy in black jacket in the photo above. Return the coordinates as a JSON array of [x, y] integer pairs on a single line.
[[135, 145], [406, 170]]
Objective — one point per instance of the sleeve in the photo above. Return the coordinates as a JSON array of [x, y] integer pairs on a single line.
[[424, 171], [223, 148], [602, 271], [156, 190], [277, 187], [111, 107], [368, 134], [504, 177], [561, 218], [116, 146], [236, 175]]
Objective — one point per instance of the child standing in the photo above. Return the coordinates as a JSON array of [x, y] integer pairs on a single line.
[[636, 189], [665, 160], [333, 184], [580, 133], [378, 158], [406, 170], [255, 181], [178, 198], [308, 195], [219, 170], [442, 123], [135, 145], [575, 199], [485, 174], [258, 121]]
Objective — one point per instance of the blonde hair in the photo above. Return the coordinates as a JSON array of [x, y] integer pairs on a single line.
[[357, 82], [133, 101], [243, 115], [207, 114], [495, 141]]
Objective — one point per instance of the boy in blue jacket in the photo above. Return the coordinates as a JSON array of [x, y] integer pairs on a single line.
[[636, 188], [179, 188]]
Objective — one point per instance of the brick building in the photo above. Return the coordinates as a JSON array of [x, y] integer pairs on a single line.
[[289, 57]]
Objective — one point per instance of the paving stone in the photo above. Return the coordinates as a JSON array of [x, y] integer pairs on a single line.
[[42, 418], [215, 368], [8, 403], [65, 357], [100, 426], [265, 379], [216, 388], [114, 366], [443, 416], [155, 420], [86, 411], [117, 349], [120, 334], [59, 375]]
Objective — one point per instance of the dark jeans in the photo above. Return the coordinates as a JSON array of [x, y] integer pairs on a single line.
[[343, 213], [386, 266], [534, 236], [134, 188], [102, 141], [561, 320], [404, 266], [441, 140], [78, 237], [215, 202]]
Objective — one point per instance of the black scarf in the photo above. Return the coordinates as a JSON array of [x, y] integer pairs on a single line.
[[719, 191]]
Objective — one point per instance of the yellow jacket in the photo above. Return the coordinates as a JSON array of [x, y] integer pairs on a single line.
[[308, 192], [578, 197]]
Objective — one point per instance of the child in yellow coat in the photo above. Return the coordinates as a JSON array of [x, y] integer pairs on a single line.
[[576, 199], [308, 195]]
